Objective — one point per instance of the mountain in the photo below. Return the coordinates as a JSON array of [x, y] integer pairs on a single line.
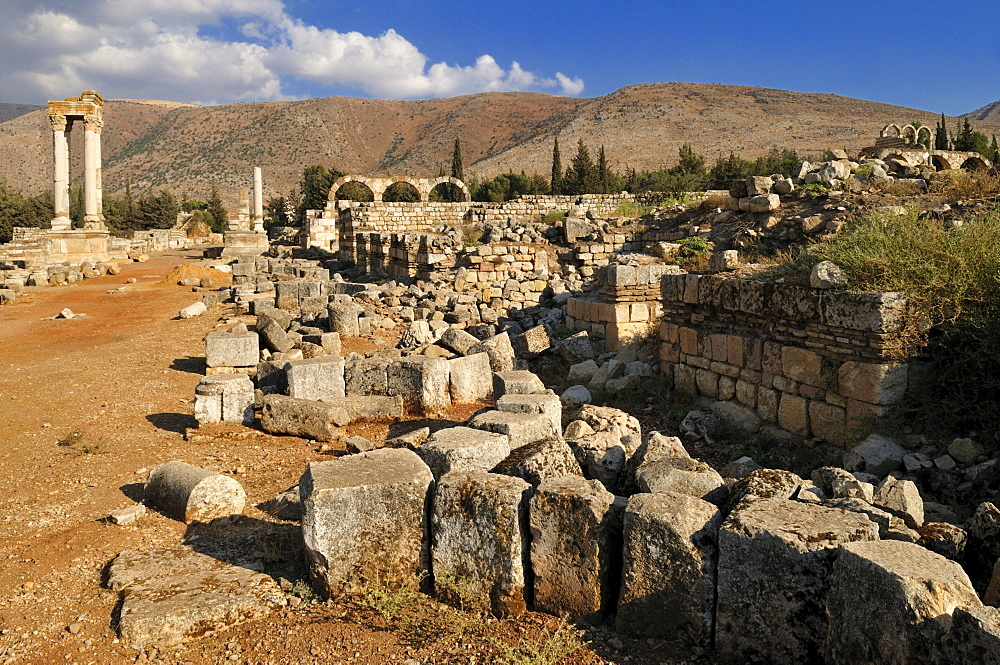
[[185, 147], [989, 113], [11, 111]]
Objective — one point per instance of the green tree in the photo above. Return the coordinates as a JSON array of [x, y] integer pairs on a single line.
[[122, 215], [315, 188], [218, 212], [457, 170], [581, 176], [556, 179], [401, 192], [77, 205], [941, 135], [19, 210], [158, 211], [277, 211], [964, 140]]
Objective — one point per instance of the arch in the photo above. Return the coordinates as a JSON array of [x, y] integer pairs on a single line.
[[885, 131], [331, 198], [940, 162], [350, 191], [443, 180], [412, 182], [975, 163], [394, 191], [909, 134], [930, 135]]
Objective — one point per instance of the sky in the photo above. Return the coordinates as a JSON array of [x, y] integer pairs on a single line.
[[934, 56]]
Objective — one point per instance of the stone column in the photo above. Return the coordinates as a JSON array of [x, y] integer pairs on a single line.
[[258, 200], [92, 168], [60, 141]]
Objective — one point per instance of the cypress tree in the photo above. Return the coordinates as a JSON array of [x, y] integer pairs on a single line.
[[941, 135], [457, 170], [603, 174], [994, 149], [556, 182], [581, 176], [220, 216]]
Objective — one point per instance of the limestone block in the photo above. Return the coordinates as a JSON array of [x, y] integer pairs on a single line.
[[366, 376], [458, 341], [343, 318], [193, 494], [902, 499], [793, 414], [223, 349], [775, 557], [582, 372], [828, 422], [602, 457], [764, 484], [193, 310], [764, 203], [274, 337], [974, 636], [575, 397], [827, 275], [365, 515], [521, 428], [546, 404], [226, 398], [801, 365], [301, 417], [471, 378], [540, 461], [532, 342], [607, 419], [172, 595], [668, 577], [271, 377], [877, 455], [516, 382], [576, 532], [576, 348], [478, 538], [872, 382], [500, 351], [316, 378], [892, 602], [329, 342], [422, 381], [682, 475], [463, 449], [759, 184]]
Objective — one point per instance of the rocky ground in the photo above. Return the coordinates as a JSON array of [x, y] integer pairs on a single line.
[[90, 404]]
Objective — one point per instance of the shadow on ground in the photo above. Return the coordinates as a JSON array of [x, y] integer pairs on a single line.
[[172, 422]]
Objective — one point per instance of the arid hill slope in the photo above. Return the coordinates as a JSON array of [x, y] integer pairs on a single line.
[[185, 147]]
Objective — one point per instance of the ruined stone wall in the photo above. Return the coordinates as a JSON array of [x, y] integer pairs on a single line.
[[538, 205], [516, 275], [812, 362], [389, 218]]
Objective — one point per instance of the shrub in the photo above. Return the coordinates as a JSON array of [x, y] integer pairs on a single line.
[[958, 185], [553, 216]]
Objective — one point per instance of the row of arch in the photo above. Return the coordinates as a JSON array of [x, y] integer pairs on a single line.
[[909, 133], [939, 159], [419, 189]]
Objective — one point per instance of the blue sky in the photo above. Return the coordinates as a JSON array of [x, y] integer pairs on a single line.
[[932, 55]]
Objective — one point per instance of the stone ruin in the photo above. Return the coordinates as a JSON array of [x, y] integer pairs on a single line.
[[547, 502]]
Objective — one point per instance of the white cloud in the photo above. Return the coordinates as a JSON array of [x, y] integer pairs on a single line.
[[170, 49]]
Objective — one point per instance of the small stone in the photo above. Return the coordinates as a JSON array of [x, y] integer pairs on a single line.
[[826, 275], [965, 451], [575, 397], [74, 628]]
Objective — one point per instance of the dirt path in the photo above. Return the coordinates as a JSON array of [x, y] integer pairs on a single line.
[[123, 379]]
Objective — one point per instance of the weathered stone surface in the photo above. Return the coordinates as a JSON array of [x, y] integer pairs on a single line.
[[316, 378], [539, 461], [682, 475], [827, 275], [607, 419], [602, 457], [947, 540], [516, 382], [366, 515], [884, 520], [546, 404], [974, 636], [902, 499], [576, 348], [193, 494], [575, 396], [343, 318], [576, 538], [892, 602], [764, 484], [224, 398], [422, 382], [983, 547], [225, 349], [877, 455], [463, 449], [366, 376], [520, 428], [128, 515], [171, 595], [500, 351], [191, 311], [274, 337], [774, 559], [668, 576], [871, 382], [965, 451], [301, 417], [582, 372], [480, 538], [458, 341], [471, 378], [286, 505], [531, 342]]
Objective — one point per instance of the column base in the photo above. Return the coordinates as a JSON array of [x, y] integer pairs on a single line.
[[62, 224]]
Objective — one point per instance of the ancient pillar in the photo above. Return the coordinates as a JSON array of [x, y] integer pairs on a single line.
[[92, 199], [258, 201], [60, 141]]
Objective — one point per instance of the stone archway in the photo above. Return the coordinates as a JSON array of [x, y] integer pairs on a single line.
[[891, 126], [331, 198], [448, 180]]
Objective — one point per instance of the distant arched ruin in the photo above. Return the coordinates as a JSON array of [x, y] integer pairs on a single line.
[[909, 146], [378, 185]]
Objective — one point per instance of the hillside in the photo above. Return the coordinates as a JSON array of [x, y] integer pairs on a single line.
[[185, 147], [989, 113], [11, 111]]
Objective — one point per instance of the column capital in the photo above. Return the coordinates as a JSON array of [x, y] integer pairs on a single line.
[[93, 122], [58, 121]]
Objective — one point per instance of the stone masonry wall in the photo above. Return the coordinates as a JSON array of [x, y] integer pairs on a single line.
[[389, 218], [814, 363]]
